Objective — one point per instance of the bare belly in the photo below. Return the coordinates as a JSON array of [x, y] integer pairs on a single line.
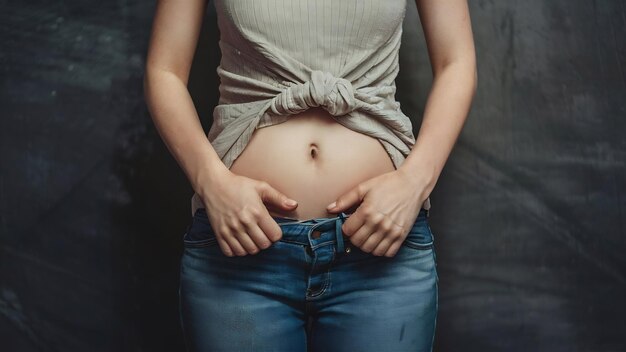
[[313, 159]]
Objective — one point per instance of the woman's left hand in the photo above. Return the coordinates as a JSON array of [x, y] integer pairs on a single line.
[[389, 205]]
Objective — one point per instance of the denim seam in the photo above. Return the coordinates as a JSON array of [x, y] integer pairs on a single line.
[[323, 289], [327, 281], [211, 241], [200, 243], [326, 243], [436, 308], [415, 245], [292, 242], [311, 271], [422, 246], [435, 260]]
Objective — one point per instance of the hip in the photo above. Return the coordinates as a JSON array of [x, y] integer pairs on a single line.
[[364, 301], [307, 246]]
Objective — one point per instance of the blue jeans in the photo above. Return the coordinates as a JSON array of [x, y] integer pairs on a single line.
[[310, 291]]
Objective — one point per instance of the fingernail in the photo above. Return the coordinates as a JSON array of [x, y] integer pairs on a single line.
[[291, 202], [331, 205]]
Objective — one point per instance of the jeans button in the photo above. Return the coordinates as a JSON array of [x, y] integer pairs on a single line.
[[348, 249]]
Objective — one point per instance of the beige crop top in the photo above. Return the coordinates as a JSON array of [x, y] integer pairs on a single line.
[[281, 57]]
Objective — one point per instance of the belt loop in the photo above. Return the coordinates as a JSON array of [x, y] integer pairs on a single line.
[[339, 232]]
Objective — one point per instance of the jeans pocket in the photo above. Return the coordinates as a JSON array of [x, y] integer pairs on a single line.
[[420, 236], [199, 233]]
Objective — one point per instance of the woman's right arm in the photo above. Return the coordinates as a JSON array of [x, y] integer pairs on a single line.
[[235, 204], [173, 41]]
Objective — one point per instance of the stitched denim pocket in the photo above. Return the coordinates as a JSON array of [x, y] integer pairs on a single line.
[[420, 236], [199, 233]]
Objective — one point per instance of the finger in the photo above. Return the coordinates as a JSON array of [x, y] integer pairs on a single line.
[[234, 244], [258, 236], [246, 242], [222, 241], [372, 242], [397, 236], [383, 245], [353, 223], [270, 228], [391, 232], [362, 233], [359, 221], [224, 246], [393, 249], [272, 196], [347, 200]]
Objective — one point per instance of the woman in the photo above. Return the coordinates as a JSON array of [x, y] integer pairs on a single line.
[[307, 112]]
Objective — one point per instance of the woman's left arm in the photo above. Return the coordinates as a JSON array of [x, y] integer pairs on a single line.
[[390, 203], [448, 33]]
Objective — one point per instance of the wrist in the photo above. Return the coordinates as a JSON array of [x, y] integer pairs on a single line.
[[422, 178], [206, 179]]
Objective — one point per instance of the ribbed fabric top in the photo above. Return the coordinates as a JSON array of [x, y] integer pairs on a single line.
[[282, 57]]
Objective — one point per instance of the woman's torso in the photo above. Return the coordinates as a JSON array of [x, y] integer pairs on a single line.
[[313, 159]]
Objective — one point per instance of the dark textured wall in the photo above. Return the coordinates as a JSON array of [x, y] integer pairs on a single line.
[[528, 213]]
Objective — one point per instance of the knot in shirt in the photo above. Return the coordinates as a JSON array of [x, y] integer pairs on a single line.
[[335, 94]]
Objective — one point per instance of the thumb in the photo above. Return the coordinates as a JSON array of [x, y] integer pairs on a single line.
[[272, 196], [345, 201]]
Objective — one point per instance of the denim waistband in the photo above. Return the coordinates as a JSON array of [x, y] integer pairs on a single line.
[[299, 231]]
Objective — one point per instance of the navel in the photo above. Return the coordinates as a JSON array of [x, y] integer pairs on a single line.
[[313, 150]]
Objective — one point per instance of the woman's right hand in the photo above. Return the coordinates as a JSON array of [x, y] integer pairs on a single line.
[[236, 207]]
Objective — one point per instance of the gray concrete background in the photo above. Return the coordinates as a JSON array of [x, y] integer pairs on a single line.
[[528, 214]]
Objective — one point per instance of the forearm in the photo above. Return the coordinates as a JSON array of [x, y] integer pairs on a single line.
[[445, 113], [177, 122]]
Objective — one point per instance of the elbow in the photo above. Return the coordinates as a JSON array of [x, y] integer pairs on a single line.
[[150, 84], [464, 67], [149, 77], [473, 73]]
